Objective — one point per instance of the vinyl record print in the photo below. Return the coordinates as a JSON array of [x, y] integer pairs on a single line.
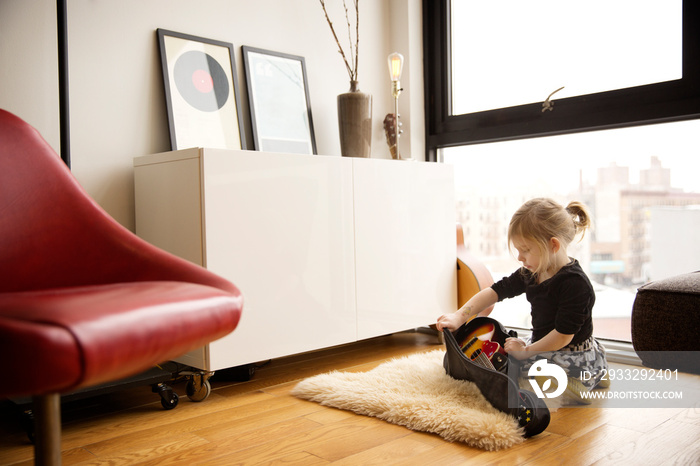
[[201, 81], [201, 92]]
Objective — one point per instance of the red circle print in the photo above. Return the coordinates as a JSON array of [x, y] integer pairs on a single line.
[[202, 81]]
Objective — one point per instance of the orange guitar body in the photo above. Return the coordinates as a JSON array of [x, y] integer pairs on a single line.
[[472, 275]]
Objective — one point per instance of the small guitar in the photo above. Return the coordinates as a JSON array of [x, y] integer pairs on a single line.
[[390, 133], [479, 347]]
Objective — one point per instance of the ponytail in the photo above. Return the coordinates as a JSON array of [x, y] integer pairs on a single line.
[[580, 215]]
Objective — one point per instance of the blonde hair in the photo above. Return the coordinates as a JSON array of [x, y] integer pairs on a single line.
[[541, 219]]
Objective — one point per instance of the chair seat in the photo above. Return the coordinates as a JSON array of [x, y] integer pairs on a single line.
[[82, 336]]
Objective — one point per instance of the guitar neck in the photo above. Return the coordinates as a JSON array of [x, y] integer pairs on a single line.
[[390, 130], [394, 152], [483, 361]]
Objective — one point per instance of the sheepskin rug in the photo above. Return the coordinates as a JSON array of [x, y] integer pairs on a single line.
[[414, 391]]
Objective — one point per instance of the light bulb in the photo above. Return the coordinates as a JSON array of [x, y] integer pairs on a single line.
[[395, 62]]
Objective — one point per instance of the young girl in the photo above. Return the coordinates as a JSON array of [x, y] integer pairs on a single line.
[[559, 292]]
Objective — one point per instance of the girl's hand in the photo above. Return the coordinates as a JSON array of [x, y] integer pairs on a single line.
[[517, 348], [449, 321]]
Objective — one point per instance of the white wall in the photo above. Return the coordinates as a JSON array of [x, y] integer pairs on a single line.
[[674, 241], [117, 106], [29, 64]]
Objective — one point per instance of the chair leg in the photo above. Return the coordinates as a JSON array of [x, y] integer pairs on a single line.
[[47, 429]]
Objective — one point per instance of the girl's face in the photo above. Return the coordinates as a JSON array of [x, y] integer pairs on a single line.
[[528, 253]]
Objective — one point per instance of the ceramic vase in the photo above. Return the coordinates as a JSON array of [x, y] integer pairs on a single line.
[[355, 122]]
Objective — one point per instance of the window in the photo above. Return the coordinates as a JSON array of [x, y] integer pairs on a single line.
[[620, 136], [594, 53], [640, 184], [658, 97]]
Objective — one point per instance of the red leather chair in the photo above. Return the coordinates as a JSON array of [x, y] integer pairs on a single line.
[[83, 300]]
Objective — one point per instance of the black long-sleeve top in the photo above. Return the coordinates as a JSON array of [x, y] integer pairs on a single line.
[[563, 302]]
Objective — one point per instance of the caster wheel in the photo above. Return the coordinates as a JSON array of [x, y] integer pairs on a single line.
[[168, 398], [198, 388], [27, 421], [169, 402]]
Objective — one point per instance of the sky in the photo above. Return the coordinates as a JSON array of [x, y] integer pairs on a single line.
[[558, 159]]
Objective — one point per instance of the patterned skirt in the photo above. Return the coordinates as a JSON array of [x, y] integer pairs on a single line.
[[585, 361]]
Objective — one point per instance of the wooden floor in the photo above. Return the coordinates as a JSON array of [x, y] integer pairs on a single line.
[[259, 422]]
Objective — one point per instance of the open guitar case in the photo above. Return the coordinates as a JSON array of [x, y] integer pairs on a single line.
[[497, 387]]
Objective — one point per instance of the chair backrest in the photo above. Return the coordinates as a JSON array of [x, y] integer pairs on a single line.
[[38, 200], [54, 235]]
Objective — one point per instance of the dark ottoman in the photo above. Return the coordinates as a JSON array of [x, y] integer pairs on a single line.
[[666, 323]]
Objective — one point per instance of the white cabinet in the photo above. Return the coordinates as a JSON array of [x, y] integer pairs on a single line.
[[405, 247], [326, 250]]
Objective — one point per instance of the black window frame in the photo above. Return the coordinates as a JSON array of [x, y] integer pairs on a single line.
[[664, 102]]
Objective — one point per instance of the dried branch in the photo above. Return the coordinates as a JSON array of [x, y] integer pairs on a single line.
[[352, 70], [357, 33], [347, 20]]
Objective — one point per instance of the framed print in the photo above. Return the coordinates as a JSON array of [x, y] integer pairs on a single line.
[[278, 95], [201, 92]]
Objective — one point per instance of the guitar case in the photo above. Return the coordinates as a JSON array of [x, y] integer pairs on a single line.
[[497, 387]]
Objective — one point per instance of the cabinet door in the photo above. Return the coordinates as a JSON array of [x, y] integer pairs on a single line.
[[280, 228], [405, 247]]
